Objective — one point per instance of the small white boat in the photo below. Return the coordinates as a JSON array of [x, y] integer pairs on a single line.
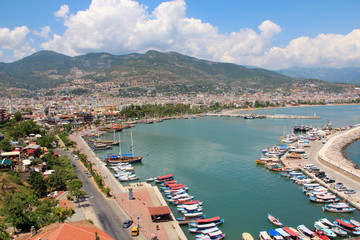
[[150, 179]]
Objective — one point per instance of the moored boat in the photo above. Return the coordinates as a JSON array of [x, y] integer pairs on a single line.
[[264, 235], [338, 207], [247, 236], [274, 220], [348, 227]]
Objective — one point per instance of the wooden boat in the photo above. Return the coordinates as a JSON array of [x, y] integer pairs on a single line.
[[292, 233], [300, 234], [355, 222], [338, 231], [247, 236], [264, 235], [283, 233], [338, 207], [204, 230], [216, 220], [321, 235], [274, 220], [275, 235], [348, 227], [212, 235], [324, 200], [305, 231]]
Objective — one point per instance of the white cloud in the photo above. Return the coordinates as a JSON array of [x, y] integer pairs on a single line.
[[44, 32], [63, 12], [125, 26], [15, 40]]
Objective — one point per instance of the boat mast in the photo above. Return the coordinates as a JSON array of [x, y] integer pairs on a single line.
[[132, 146], [119, 145]]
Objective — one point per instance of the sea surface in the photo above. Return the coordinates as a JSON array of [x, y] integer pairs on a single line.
[[215, 158]]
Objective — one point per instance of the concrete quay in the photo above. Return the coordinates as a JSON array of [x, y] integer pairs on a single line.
[[275, 116], [144, 196], [339, 170]]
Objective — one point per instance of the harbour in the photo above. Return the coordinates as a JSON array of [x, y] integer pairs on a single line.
[[216, 158]]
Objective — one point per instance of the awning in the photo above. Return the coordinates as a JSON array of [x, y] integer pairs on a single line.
[[5, 162], [7, 154], [156, 211]]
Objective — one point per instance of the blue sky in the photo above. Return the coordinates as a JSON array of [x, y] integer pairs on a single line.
[[272, 34]]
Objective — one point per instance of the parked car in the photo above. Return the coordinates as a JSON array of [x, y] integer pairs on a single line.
[[127, 223], [135, 231]]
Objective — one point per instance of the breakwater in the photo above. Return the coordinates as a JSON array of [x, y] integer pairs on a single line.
[[332, 152], [254, 116]]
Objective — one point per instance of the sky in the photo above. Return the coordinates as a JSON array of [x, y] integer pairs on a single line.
[[273, 34]]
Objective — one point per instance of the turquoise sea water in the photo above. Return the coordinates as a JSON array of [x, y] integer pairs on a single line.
[[215, 158]]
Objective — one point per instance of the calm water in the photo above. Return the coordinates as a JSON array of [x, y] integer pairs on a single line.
[[215, 158]]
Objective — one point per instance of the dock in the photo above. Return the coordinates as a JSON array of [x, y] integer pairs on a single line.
[[332, 171], [261, 116]]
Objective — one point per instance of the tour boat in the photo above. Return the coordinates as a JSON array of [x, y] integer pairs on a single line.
[[164, 178], [275, 235], [204, 230], [283, 233], [125, 158], [300, 234], [264, 235], [355, 222], [303, 229], [212, 235], [348, 227], [216, 220], [338, 207], [338, 231], [321, 235], [247, 236], [274, 220], [292, 233]]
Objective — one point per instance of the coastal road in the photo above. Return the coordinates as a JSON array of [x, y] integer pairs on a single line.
[[109, 214]]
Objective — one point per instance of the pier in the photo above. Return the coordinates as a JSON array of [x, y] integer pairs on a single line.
[[332, 169], [256, 116]]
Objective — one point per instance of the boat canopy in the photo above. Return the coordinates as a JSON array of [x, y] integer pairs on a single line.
[[345, 224], [289, 231], [282, 232], [273, 233], [165, 176], [191, 202], [207, 220], [265, 235], [214, 234], [305, 230]]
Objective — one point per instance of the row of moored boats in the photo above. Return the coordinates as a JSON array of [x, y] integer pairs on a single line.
[[191, 209]]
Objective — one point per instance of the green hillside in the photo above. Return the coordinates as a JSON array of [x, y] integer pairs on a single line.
[[47, 69]]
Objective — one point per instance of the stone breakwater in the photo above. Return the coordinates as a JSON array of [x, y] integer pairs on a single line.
[[332, 151]]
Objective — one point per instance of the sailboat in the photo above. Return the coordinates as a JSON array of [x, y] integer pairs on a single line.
[[125, 158]]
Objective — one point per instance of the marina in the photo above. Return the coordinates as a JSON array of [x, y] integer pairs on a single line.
[[205, 159]]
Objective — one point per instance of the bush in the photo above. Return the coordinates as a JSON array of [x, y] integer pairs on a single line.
[[69, 197]]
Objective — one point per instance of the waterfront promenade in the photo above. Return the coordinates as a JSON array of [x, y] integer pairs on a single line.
[[144, 196], [328, 157]]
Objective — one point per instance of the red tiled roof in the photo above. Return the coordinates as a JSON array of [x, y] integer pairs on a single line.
[[81, 230], [156, 211]]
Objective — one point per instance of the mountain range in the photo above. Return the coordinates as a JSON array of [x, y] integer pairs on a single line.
[[47, 69], [345, 75]]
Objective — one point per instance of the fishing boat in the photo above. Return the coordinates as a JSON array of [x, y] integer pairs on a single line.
[[300, 234], [292, 233], [125, 158], [329, 233], [274, 220], [338, 207], [204, 230], [247, 236], [164, 178], [303, 229], [275, 235], [321, 235], [355, 222], [319, 200], [348, 227], [264, 235], [216, 220], [283, 233], [212, 235], [338, 231], [150, 179]]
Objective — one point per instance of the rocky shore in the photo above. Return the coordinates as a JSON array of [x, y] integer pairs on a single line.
[[332, 151]]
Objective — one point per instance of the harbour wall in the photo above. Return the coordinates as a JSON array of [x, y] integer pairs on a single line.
[[331, 154]]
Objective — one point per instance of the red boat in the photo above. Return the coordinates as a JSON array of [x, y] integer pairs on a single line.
[[320, 234]]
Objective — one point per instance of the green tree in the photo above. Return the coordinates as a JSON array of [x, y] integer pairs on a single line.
[[17, 116], [38, 183], [75, 189], [5, 145], [63, 213], [44, 215]]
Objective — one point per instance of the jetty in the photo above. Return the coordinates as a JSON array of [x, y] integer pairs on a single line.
[[333, 163], [260, 116]]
